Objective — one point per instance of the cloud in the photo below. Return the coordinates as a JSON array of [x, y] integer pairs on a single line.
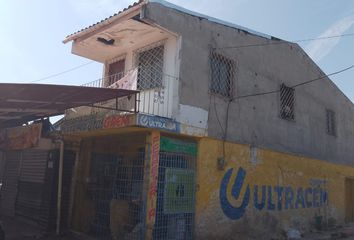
[[319, 49]]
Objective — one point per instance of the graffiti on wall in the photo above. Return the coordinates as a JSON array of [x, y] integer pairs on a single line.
[[82, 124], [154, 168], [268, 197]]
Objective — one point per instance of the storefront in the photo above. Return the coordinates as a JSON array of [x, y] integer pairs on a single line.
[[135, 185], [30, 177]]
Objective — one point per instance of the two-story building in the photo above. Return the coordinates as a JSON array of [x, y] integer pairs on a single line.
[[233, 134]]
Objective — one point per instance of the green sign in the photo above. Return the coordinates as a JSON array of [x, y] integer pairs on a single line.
[[178, 146], [179, 191]]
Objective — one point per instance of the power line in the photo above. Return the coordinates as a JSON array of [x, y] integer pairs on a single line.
[[265, 93], [63, 72], [230, 47], [296, 85], [286, 42]]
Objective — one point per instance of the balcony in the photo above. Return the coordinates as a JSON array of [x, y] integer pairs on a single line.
[[155, 96]]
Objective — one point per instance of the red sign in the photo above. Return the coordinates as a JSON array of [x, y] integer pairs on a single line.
[[117, 121]]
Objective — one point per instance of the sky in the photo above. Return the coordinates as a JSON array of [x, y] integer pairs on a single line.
[[31, 33]]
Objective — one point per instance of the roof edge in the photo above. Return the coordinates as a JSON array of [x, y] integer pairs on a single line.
[[104, 22], [211, 19], [135, 6]]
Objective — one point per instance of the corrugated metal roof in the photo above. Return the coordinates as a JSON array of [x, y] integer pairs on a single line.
[[104, 20], [20, 103], [172, 6]]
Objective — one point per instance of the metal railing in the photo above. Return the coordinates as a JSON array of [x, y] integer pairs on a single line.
[[154, 100]]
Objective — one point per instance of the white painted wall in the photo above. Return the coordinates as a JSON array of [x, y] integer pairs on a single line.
[[161, 102]]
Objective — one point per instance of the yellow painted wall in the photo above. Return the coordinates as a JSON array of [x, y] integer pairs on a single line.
[[269, 168]]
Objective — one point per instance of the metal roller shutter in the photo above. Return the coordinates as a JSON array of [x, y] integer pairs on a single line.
[[31, 182], [9, 189]]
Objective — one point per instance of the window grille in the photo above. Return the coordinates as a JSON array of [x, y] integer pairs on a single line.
[[331, 122], [116, 191], [175, 197], [150, 68], [287, 102], [222, 74]]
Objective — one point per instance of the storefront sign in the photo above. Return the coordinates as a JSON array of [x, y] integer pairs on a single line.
[[158, 122], [117, 121], [21, 137], [179, 191], [82, 124], [178, 146], [94, 122]]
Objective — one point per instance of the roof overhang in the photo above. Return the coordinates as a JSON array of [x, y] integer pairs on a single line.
[[125, 14], [127, 35], [21, 103]]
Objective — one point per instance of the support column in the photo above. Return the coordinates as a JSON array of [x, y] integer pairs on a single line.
[[153, 140]]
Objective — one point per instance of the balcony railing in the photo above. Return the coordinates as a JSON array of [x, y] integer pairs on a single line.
[[155, 96]]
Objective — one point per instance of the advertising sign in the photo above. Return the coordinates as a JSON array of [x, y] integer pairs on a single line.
[[177, 146], [179, 191], [23, 137]]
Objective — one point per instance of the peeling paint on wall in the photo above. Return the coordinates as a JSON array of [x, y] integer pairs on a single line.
[[193, 116]]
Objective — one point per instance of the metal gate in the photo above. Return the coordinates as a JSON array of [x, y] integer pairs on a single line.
[[30, 184], [175, 190], [116, 189], [10, 184]]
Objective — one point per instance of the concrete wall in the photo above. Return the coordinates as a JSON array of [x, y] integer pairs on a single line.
[[291, 191], [255, 120]]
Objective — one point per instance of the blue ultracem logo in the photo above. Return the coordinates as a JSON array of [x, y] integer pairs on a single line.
[[228, 209], [271, 198]]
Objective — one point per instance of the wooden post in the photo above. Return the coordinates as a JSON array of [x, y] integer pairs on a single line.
[[153, 170], [60, 184]]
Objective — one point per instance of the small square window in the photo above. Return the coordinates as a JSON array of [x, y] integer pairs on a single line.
[[287, 102], [331, 122], [222, 74]]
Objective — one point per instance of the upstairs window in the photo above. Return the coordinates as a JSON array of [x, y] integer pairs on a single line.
[[287, 102], [150, 68], [115, 71], [222, 74], [331, 122]]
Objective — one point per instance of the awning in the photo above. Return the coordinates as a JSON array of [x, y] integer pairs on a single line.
[[20, 103]]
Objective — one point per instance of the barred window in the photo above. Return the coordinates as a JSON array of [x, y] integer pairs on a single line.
[[150, 68], [331, 122], [287, 102], [222, 74]]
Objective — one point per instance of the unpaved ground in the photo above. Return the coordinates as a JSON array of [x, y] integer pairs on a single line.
[[16, 229]]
